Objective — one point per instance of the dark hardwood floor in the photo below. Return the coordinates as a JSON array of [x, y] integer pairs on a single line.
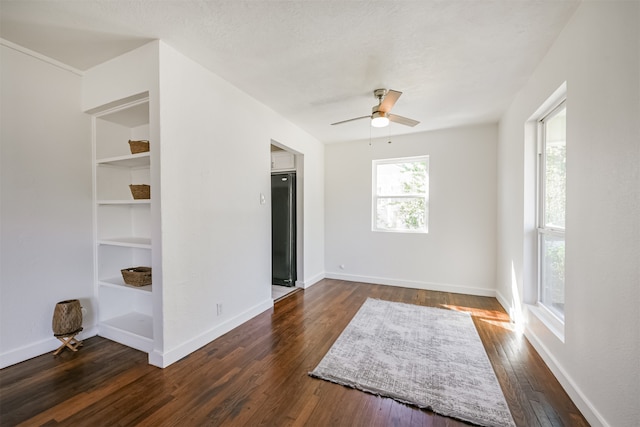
[[257, 374]]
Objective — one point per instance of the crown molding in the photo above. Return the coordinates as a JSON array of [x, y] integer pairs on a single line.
[[41, 57]]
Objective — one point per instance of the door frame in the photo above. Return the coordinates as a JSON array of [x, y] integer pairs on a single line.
[[299, 170]]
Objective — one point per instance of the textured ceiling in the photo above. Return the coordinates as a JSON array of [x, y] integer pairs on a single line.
[[457, 62]]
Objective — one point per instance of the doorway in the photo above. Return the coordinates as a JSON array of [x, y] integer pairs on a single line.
[[286, 220]]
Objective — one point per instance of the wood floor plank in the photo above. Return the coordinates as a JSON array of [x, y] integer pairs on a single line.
[[257, 374]]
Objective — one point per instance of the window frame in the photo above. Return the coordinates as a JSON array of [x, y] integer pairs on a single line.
[[542, 229], [375, 196]]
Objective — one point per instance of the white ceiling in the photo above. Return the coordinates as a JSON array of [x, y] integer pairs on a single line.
[[457, 62]]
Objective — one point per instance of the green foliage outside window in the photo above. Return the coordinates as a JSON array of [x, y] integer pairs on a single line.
[[401, 202], [554, 178], [412, 211]]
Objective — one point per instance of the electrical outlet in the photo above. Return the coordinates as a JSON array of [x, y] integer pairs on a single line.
[[219, 309]]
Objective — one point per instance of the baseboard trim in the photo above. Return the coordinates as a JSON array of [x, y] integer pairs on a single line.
[[162, 360], [430, 286], [39, 348], [310, 281], [508, 307], [577, 396]]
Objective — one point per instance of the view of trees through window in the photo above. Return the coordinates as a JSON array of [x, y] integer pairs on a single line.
[[552, 221], [401, 194], [555, 170]]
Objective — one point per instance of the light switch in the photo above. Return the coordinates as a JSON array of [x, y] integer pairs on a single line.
[[263, 200]]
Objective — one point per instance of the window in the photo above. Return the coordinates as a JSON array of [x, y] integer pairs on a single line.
[[551, 206], [401, 194]]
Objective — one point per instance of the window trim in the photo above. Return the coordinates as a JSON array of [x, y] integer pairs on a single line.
[[552, 318], [375, 196]]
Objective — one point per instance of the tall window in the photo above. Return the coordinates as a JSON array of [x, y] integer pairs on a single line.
[[401, 194], [552, 191]]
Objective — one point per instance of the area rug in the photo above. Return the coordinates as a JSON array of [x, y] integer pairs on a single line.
[[428, 357]]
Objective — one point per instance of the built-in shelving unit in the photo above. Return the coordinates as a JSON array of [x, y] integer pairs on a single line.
[[122, 224], [282, 161]]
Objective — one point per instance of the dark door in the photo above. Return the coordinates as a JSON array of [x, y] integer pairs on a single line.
[[283, 228]]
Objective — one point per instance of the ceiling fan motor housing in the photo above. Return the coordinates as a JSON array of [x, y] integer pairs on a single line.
[[376, 109], [379, 93]]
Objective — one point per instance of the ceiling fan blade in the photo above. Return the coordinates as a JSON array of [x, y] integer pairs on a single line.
[[402, 120], [351, 120], [389, 100]]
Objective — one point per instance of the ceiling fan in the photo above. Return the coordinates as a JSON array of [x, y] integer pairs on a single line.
[[380, 116]]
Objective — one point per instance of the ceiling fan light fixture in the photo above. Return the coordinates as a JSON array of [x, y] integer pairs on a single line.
[[379, 119], [380, 114]]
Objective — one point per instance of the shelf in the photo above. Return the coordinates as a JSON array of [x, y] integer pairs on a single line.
[[131, 111], [118, 283], [128, 242], [128, 161], [132, 329], [134, 323], [122, 225], [124, 202]]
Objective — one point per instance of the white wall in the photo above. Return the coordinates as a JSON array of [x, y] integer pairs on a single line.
[[124, 76], [216, 236], [598, 55], [45, 227], [458, 253], [213, 243]]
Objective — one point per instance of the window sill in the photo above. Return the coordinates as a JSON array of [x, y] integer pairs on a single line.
[[555, 325], [381, 230]]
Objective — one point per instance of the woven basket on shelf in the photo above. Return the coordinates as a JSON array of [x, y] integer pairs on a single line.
[[140, 191], [141, 146], [137, 276]]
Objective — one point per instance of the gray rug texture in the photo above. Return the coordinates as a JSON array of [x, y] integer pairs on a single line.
[[428, 357]]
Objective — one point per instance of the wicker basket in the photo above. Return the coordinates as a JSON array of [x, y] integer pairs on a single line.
[[137, 276], [67, 318], [140, 191], [138, 146]]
